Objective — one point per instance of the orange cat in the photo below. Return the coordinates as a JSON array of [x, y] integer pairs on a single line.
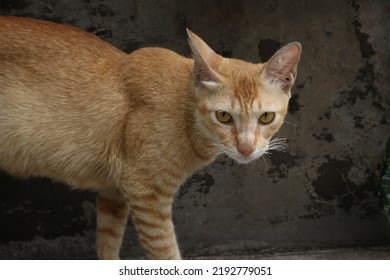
[[131, 126]]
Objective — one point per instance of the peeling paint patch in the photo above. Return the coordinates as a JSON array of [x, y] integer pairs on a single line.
[[364, 86], [317, 210], [331, 182], [281, 165], [334, 190], [365, 47], [324, 135], [196, 187], [294, 105], [358, 121], [363, 89]]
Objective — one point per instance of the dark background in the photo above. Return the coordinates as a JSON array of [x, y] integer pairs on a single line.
[[322, 193]]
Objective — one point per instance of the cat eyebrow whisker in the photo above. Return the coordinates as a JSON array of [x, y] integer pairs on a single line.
[[290, 123]]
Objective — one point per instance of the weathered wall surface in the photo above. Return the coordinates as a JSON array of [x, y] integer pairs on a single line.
[[320, 194]]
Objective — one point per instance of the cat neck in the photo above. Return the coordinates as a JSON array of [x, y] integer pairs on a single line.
[[165, 98], [199, 144]]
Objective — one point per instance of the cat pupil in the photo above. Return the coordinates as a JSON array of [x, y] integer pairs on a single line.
[[224, 117], [267, 117]]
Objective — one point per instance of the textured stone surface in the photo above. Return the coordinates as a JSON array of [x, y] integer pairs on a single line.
[[320, 194]]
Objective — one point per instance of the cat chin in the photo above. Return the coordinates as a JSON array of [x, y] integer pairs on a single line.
[[243, 160]]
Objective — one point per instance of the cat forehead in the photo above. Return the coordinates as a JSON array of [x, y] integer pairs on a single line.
[[244, 77], [245, 90], [251, 92], [264, 100]]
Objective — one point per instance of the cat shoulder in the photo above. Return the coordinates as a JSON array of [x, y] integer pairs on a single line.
[[155, 53]]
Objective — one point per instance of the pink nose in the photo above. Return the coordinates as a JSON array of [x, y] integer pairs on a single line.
[[245, 149]]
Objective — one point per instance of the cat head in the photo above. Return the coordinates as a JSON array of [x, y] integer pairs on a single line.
[[241, 105]]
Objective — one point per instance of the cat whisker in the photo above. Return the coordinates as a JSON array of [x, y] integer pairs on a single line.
[[264, 160], [216, 148], [278, 144], [290, 123], [267, 154]]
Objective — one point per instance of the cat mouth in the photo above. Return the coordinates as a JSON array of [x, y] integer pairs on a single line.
[[244, 159], [275, 144]]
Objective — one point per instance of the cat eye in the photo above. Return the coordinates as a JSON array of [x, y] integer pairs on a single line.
[[224, 117], [267, 117]]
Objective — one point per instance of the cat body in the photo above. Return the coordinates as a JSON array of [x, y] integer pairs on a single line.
[[131, 126]]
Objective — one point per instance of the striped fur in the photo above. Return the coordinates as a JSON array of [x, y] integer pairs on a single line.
[[131, 126]]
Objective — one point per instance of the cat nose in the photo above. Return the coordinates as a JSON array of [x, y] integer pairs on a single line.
[[246, 149]]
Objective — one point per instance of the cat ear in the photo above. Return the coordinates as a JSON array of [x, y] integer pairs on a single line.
[[206, 61], [282, 67]]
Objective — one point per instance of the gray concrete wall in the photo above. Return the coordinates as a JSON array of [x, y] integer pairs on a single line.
[[320, 194]]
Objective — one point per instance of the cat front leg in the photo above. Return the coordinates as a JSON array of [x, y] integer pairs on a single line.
[[112, 215], [151, 212]]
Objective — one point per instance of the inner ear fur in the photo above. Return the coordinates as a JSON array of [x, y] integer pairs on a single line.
[[206, 62], [282, 67]]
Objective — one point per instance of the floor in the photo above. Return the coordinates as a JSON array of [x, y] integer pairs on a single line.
[[373, 253]]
